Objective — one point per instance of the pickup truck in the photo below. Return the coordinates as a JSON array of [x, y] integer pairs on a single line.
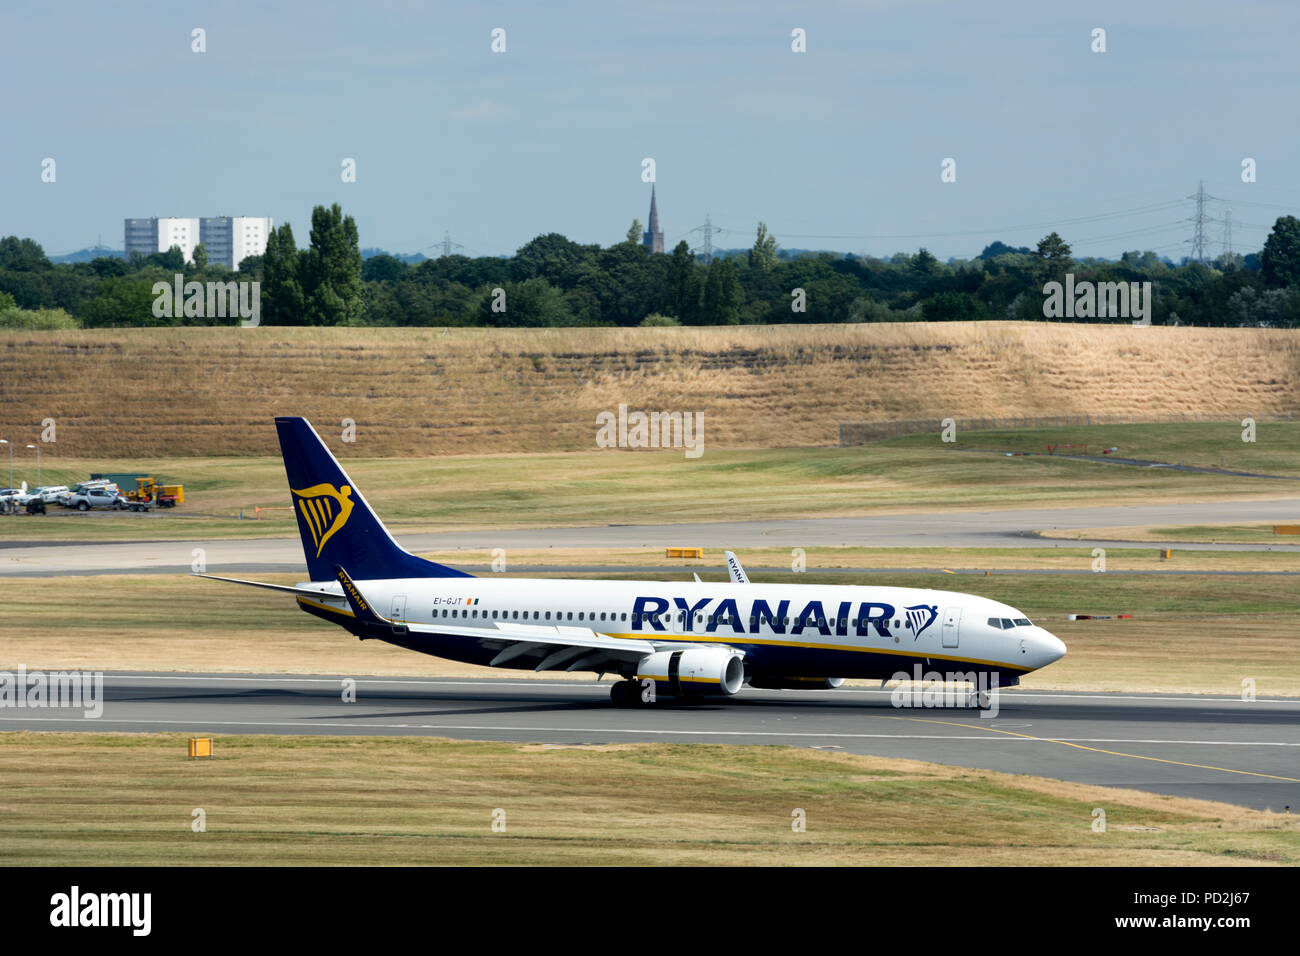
[[88, 498]]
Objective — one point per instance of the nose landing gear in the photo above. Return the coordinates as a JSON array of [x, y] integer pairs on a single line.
[[979, 700]]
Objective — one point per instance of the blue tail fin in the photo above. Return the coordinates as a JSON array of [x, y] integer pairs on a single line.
[[336, 523]]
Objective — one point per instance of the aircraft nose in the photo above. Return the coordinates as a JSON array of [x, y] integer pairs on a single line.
[[1050, 647]]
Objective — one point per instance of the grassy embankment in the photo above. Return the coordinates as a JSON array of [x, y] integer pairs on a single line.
[[182, 393]]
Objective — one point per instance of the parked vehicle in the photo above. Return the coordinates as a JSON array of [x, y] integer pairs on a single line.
[[97, 498], [49, 494], [35, 506], [65, 498], [164, 496], [138, 486]]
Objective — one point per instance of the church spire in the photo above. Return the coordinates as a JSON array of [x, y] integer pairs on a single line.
[[652, 238]]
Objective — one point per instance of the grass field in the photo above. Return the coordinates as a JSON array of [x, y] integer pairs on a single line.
[[1187, 635], [409, 801], [200, 392], [1275, 449], [598, 487]]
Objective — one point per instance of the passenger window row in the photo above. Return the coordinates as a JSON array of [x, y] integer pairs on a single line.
[[614, 616], [495, 615]]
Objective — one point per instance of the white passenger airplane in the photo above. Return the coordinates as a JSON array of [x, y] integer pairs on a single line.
[[681, 640]]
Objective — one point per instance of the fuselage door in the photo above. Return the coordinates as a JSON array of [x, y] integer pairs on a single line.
[[951, 626], [399, 608]]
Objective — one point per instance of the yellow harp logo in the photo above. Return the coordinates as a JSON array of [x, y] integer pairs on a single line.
[[325, 509]]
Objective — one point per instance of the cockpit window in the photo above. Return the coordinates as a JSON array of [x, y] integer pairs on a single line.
[[1006, 623]]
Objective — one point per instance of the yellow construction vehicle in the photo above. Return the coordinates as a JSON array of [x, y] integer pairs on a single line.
[[164, 496]]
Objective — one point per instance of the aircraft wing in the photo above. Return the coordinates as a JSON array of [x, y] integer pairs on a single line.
[[557, 648]]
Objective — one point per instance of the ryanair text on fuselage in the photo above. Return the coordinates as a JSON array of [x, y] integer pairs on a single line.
[[648, 613]]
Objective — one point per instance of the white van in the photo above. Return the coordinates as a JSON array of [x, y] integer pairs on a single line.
[[47, 493]]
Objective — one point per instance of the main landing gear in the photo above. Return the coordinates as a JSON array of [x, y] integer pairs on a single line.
[[641, 693], [628, 693], [632, 693]]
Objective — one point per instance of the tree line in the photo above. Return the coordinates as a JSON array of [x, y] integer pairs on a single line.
[[553, 281]]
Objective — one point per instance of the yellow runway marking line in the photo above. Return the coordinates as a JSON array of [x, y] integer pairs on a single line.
[[1066, 743]]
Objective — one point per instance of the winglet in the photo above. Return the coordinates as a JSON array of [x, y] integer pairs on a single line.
[[738, 575], [360, 606]]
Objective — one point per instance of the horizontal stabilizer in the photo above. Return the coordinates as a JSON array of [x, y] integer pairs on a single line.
[[284, 588]]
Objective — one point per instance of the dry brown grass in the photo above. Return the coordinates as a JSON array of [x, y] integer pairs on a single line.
[[418, 392], [405, 801]]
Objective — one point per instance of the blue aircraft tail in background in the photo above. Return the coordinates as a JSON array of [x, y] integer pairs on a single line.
[[337, 526]]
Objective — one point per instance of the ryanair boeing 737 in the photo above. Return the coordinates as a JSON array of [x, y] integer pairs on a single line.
[[674, 639]]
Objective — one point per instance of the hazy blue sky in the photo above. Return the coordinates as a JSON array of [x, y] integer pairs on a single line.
[[843, 140]]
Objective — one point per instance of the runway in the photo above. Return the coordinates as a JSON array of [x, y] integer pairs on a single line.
[[1003, 528], [1215, 748]]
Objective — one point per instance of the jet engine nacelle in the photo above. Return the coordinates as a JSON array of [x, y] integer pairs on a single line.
[[796, 683], [694, 672]]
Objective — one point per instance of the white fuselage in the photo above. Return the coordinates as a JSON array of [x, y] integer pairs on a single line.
[[783, 629]]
